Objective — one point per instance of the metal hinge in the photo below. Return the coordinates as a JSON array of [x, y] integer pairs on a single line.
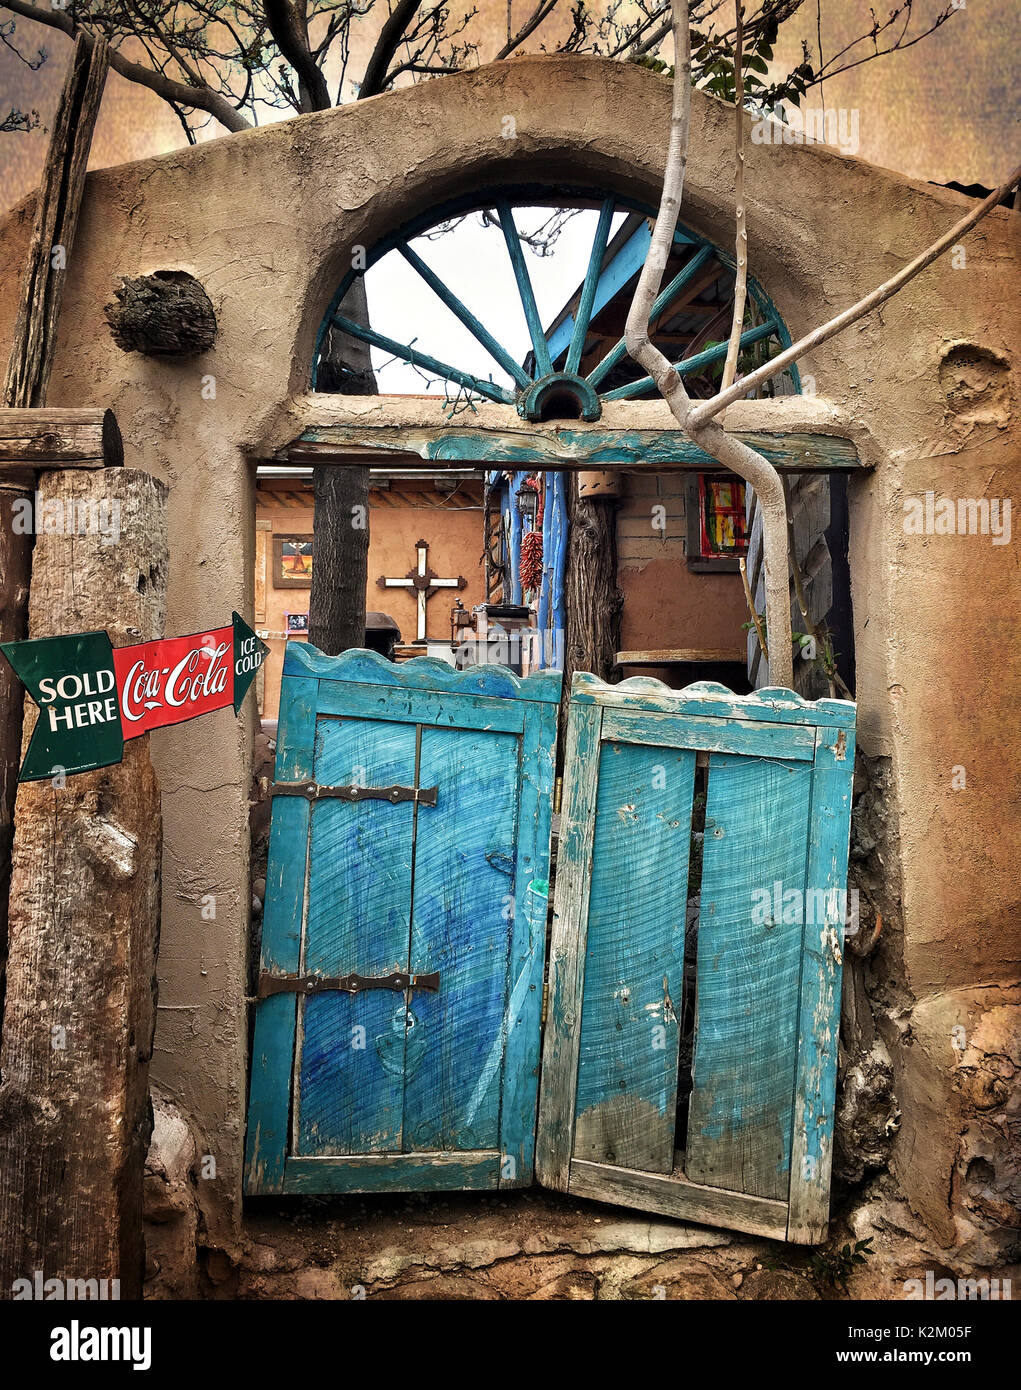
[[315, 791], [270, 984]]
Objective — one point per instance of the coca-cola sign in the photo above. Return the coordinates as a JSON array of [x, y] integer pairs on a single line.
[[92, 697]]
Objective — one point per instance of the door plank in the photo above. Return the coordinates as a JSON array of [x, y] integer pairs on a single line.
[[421, 1172], [461, 924], [421, 706], [819, 1021], [746, 736], [555, 1135], [625, 1109], [528, 945], [351, 1071], [675, 1196], [741, 1109]]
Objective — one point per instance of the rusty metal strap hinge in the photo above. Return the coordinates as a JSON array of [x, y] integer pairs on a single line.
[[270, 984], [315, 791]]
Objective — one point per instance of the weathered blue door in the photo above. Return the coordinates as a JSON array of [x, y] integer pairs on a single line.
[[397, 1030], [730, 1121]]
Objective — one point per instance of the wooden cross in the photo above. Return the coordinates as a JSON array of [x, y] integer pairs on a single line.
[[424, 581]]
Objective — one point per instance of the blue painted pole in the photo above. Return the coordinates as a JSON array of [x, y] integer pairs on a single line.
[[546, 586], [515, 537], [557, 507]]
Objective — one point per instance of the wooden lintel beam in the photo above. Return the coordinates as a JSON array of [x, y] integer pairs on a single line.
[[569, 449], [56, 438]]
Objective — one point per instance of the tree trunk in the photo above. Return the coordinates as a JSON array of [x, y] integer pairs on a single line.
[[84, 926], [340, 560], [57, 205], [593, 600]]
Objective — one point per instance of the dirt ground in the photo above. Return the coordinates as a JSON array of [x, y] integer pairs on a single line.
[[532, 1246]]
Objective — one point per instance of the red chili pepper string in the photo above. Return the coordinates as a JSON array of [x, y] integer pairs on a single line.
[[531, 543]]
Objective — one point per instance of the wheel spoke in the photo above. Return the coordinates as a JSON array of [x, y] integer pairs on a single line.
[[543, 365], [696, 363], [663, 301], [588, 289], [423, 360], [461, 310]]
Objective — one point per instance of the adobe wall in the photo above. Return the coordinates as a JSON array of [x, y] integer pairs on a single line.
[[266, 220]]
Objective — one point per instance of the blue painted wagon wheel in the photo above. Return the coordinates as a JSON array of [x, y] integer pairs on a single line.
[[577, 360]]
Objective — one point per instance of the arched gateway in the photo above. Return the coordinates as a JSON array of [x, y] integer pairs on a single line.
[[268, 222]]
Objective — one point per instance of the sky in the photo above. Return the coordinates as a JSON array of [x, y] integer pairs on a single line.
[[402, 305]]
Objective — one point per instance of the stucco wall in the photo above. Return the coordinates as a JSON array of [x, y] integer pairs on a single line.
[[266, 220]]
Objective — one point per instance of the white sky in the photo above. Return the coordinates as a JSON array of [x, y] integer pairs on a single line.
[[472, 261]]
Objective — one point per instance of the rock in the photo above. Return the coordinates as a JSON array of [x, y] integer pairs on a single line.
[[170, 1204], [169, 1164], [737, 1279], [675, 1280]]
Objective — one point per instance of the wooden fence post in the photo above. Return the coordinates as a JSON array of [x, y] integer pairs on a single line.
[[84, 923], [58, 204]]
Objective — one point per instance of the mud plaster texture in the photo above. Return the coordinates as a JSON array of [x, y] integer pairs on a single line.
[[266, 220]]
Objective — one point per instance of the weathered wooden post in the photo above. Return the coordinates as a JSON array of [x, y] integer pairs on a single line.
[[58, 203], [84, 924]]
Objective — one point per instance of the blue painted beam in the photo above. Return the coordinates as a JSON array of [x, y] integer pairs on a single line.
[[540, 347], [663, 301], [461, 310], [422, 359], [626, 263], [559, 526], [514, 558], [588, 289]]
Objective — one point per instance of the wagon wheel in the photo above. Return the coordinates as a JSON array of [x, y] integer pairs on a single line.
[[579, 361]]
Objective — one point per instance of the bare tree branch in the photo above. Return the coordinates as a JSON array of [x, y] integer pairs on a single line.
[[289, 27], [200, 98], [708, 409], [375, 77], [757, 471], [741, 248], [541, 11]]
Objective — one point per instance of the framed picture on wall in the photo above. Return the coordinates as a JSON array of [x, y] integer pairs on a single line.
[[296, 624], [292, 562], [717, 528]]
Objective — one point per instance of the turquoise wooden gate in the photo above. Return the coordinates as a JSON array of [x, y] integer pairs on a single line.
[[397, 1030], [755, 1151]]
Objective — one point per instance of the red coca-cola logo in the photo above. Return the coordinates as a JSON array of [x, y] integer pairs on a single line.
[[169, 681]]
